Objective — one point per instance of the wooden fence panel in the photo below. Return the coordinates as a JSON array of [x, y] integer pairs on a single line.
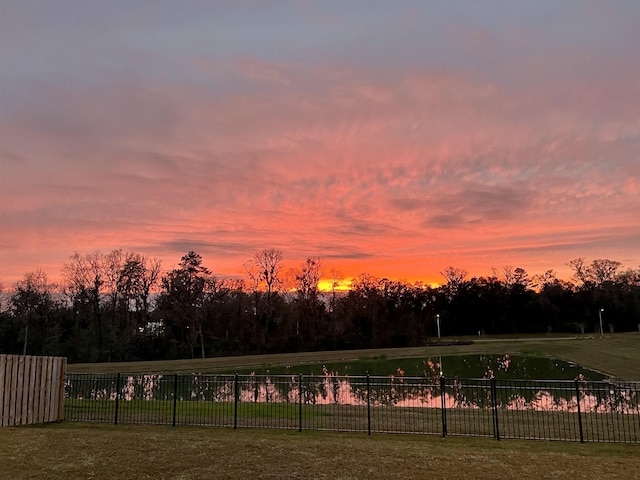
[[3, 363], [46, 388], [5, 378], [21, 394], [42, 388], [13, 393], [31, 389]]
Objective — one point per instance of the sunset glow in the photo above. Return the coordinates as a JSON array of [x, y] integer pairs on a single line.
[[392, 138]]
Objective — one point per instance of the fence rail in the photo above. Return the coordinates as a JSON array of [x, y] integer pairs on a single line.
[[31, 389], [555, 410]]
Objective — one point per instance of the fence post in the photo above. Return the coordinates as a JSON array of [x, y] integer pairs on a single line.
[[494, 408], [175, 398], [579, 413], [443, 404], [299, 402], [235, 401], [368, 405], [117, 398]]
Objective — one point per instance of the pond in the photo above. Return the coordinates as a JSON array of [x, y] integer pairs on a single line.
[[519, 382], [506, 367]]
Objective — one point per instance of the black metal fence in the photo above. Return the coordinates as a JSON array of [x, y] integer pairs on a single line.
[[553, 410]]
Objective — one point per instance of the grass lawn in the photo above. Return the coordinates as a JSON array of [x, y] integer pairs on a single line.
[[87, 451], [82, 451], [617, 355]]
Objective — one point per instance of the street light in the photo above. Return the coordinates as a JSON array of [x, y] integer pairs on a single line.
[[438, 323], [600, 315]]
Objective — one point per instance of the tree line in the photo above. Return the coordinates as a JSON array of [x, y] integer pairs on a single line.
[[119, 306]]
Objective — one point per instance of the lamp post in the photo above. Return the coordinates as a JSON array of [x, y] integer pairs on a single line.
[[438, 323], [600, 315]]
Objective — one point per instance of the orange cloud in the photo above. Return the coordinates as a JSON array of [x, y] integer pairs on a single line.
[[397, 174]]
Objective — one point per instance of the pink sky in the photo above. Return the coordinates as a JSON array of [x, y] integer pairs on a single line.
[[393, 138]]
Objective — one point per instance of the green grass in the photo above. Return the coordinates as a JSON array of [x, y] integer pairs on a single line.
[[525, 424], [163, 410], [617, 355], [81, 451]]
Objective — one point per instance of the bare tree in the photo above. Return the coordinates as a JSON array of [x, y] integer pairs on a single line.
[[629, 277], [96, 283], [579, 269], [252, 270], [137, 278], [149, 279], [32, 298], [307, 277], [597, 272], [139, 275], [455, 277], [515, 276], [546, 278], [305, 281], [337, 278], [268, 264], [84, 284], [112, 265], [604, 270]]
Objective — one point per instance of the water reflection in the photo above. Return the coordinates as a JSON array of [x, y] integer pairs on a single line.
[[399, 391]]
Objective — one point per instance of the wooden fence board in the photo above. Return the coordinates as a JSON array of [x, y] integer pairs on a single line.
[[35, 376], [47, 404], [3, 363], [9, 392], [20, 392], [6, 390], [13, 393], [42, 362], [32, 390]]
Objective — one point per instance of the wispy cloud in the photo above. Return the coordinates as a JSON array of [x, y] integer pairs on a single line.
[[516, 147]]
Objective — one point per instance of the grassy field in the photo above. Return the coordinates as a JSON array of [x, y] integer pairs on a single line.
[[352, 418], [86, 451], [617, 355], [81, 451]]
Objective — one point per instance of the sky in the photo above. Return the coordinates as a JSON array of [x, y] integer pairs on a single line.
[[394, 138]]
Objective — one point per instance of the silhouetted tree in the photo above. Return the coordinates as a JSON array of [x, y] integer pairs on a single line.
[[182, 298], [32, 303], [305, 280], [268, 264], [137, 278], [454, 277], [106, 311], [84, 281], [597, 272]]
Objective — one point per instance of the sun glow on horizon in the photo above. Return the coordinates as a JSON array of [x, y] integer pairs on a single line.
[[326, 284]]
